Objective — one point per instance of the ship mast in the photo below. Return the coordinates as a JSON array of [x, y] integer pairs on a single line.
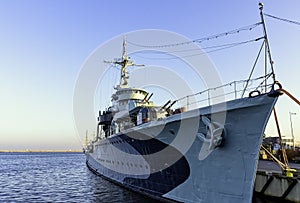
[[261, 7], [124, 63]]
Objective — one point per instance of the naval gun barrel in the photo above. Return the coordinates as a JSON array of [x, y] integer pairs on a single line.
[[164, 106], [145, 98], [170, 105], [149, 97]]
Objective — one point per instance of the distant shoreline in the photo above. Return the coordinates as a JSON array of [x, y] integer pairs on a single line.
[[40, 151]]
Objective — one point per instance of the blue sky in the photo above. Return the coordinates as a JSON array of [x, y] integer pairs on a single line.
[[44, 44]]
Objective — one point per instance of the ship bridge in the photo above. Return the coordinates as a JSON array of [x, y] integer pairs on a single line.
[[130, 94], [129, 98]]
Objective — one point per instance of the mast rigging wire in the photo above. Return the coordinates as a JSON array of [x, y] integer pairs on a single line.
[[235, 31], [282, 19], [215, 48], [254, 65]]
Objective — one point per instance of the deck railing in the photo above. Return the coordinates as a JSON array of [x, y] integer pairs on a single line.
[[230, 91]]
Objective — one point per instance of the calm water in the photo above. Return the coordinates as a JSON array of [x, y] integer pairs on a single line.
[[58, 177]]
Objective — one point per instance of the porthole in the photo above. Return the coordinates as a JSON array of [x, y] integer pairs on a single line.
[[172, 131]]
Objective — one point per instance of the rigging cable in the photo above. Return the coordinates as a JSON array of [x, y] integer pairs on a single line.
[[282, 19], [235, 31], [253, 68], [215, 48]]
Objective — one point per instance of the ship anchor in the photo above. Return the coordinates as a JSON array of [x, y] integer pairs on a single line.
[[214, 137]]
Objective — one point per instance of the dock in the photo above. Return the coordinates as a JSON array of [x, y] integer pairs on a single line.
[[271, 182]]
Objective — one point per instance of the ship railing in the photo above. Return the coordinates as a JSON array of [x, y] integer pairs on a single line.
[[230, 91]]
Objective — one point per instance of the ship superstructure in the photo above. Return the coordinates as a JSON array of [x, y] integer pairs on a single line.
[[130, 106]]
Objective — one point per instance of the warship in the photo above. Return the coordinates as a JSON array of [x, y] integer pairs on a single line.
[[206, 154]]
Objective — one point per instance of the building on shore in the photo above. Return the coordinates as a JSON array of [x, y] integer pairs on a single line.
[[272, 144]]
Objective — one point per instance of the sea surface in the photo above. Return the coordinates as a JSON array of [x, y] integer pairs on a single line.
[[60, 177]]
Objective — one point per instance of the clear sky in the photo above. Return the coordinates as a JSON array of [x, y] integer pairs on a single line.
[[43, 45]]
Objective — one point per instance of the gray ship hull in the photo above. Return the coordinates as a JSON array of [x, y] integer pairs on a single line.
[[172, 160]]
